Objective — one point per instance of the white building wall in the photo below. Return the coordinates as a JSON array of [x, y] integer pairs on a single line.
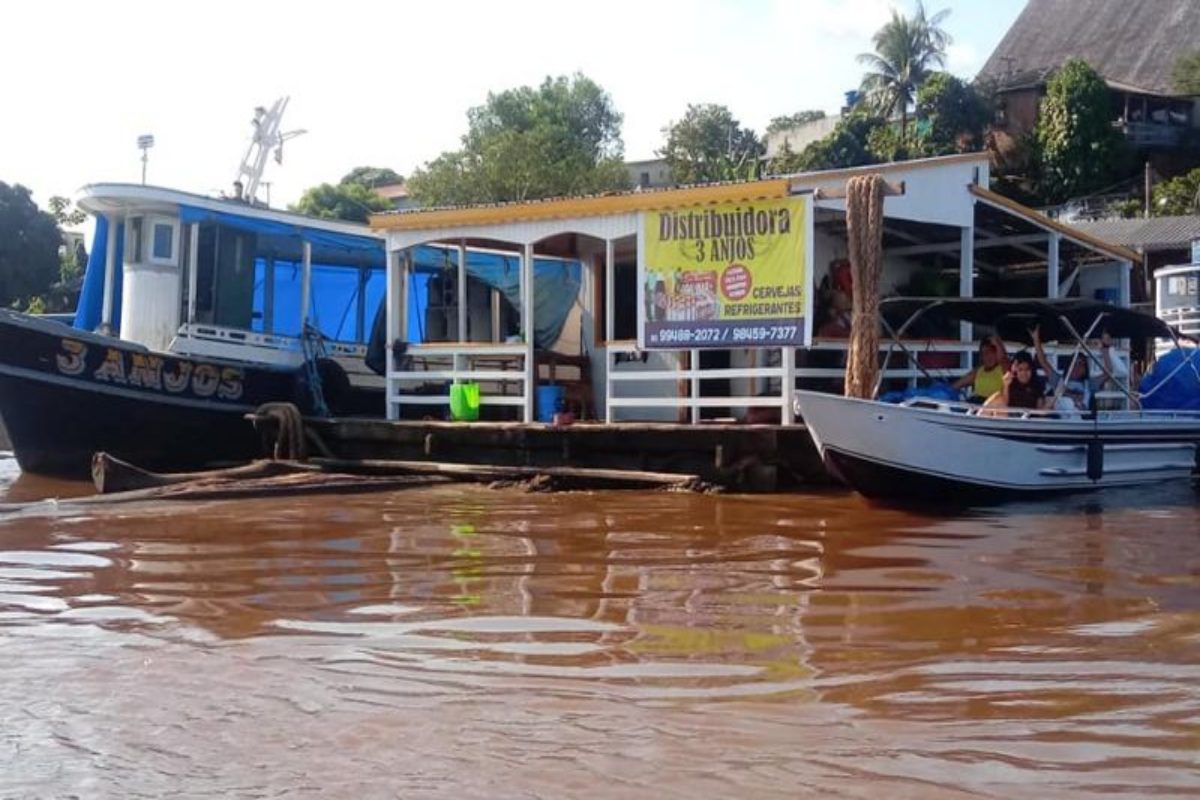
[[801, 136], [932, 193]]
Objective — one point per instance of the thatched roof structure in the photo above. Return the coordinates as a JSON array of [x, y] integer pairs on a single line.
[[1133, 44]]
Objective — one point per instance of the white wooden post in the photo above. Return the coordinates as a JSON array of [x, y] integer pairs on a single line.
[[527, 325], [787, 414], [460, 359], [694, 394], [110, 275], [1052, 268], [966, 283], [462, 291], [305, 285], [193, 271], [609, 248]]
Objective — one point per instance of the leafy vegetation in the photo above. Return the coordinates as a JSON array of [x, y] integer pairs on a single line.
[[847, 146], [794, 120], [351, 202], [564, 137], [1177, 196], [372, 177], [29, 241], [951, 114], [1078, 150], [1185, 75], [708, 144], [907, 49]]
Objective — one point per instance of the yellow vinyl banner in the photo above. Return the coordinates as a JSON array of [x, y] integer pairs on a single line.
[[730, 275]]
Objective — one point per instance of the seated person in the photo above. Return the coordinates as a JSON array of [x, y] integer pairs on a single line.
[[1074, 393], [1022, 387], [1115, 375], [988, 376]]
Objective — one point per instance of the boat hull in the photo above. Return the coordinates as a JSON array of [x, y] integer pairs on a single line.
[[942, 453], [66, 394]]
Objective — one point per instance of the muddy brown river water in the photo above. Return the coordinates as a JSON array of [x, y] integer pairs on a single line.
[[465, 642]]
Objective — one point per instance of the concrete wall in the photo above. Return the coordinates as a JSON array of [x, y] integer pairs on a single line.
[[800, 136]]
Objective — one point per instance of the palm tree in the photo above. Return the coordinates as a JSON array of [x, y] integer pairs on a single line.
[[906, 50]]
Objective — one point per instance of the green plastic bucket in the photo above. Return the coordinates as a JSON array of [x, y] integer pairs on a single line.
[[464, 402]]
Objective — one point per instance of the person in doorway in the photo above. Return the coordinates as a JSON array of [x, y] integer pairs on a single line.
[[1021, 386], [987, 378]]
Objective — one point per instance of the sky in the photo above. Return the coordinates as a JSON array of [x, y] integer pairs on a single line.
[[389, 83]]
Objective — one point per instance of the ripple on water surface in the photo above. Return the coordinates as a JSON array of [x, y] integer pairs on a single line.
[[492, 643]]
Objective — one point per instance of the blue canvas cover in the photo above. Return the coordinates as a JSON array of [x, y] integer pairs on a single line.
[[91, 295], [1182, 390], [556, 287]]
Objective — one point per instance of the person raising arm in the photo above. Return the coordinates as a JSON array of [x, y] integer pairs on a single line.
[[1073, 393], [988, 376]]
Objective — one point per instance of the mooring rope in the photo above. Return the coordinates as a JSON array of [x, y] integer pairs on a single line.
[[864, 230], [287, 426]]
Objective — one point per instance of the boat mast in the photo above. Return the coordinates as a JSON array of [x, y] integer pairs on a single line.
[[267, 137]]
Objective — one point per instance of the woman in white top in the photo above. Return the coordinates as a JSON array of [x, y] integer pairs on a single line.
[[1075, 392]]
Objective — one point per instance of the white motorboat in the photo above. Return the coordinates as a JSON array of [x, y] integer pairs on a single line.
[[926, 449]]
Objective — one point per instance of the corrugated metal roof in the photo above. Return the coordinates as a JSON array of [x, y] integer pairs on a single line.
[[1130, 42], [1156, 233]]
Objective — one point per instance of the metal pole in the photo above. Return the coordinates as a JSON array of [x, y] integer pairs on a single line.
[[110, 275], [193, 271], [527, 325], [305, 285]]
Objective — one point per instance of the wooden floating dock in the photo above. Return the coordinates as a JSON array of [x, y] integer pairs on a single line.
[[755, 458]]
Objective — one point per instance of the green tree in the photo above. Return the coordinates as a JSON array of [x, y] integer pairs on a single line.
[[889, 143], [1078, 150], [794, 120], [562, 138], [29, 241], [709, 145], [372, 177], [1177, 197], [351, 202], [906, 50], [64, 215], [847, 146], [951, 115], [1185, 75]]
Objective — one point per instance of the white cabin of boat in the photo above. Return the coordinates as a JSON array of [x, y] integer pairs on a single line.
[[221, 278]]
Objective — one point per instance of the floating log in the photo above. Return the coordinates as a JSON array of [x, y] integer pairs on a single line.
[[111, 474], [562, 477]]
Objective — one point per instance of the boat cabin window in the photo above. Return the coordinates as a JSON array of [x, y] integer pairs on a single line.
[[254, 282], [133, 239], [164, 240], [225, 277]]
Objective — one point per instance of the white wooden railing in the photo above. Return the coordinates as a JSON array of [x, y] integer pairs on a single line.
[[502, 371], [774, 397], [763, 385]]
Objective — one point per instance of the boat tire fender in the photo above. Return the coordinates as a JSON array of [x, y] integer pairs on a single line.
[[1095, 460]]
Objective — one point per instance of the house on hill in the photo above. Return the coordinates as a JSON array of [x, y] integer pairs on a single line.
[[1132, 44]]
